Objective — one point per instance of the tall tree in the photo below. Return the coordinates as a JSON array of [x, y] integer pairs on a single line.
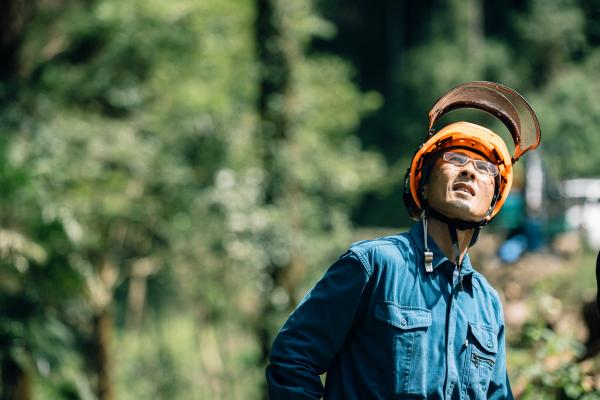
[[273, 53], [12, 25], [280, 53]]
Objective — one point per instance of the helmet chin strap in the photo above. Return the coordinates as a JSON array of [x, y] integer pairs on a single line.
[[453, 225], [459, 224]]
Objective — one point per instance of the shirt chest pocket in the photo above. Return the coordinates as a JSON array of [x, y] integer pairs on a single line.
[[404, 338], [481, 358]]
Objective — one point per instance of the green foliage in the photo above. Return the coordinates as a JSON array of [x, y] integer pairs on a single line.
[[181, 359], [548, 366], [575, 95], [544, 354], [137, 125]]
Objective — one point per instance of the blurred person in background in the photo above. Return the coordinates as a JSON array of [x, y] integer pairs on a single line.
[[407, 316]]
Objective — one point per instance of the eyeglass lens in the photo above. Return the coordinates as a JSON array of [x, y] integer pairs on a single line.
[[482, 166]]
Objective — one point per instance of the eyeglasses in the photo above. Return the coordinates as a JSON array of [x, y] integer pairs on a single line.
[[482, 166]]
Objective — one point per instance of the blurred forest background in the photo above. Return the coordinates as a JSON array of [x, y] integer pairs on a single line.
[[176, 174]]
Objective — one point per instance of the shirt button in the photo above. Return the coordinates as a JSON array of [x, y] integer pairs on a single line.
[[403, 321], [489, 344]]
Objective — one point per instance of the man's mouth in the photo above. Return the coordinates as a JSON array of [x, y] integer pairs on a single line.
[[464, 187]]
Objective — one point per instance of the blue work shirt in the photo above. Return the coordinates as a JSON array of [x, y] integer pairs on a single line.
[[382, 327]]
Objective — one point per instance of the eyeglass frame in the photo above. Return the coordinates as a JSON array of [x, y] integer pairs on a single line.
[[476, 163]]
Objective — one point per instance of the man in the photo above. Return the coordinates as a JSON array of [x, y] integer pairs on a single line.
[[407, 316]]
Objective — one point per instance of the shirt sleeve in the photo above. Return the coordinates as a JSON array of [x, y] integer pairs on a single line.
[[313, 334], [500, 385]]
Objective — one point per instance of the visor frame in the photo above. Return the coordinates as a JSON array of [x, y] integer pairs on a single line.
[[498, 100]]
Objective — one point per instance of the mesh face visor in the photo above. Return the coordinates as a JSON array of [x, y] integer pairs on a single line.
[[501, 102]]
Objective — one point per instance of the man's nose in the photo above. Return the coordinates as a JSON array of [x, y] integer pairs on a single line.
[[468, 170]]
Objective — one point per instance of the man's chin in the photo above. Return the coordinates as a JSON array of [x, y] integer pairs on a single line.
[[460, 209]]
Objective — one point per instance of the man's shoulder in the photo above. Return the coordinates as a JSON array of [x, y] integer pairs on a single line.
[[482, 283], [486, 290], [382, 244], [383, 250]]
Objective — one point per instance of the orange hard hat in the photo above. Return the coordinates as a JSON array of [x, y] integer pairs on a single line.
[[500, 101]]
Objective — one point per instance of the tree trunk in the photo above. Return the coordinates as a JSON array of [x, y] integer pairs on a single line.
[[136, 295], [101, 339], [101, 288], [273, 55], [16, 384], [274, 87], [12, 24]]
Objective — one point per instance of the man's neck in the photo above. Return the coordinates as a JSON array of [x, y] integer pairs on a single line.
[[439, 232]]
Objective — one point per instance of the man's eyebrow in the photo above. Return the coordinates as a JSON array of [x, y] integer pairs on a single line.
[[470, 154], [461, 151]]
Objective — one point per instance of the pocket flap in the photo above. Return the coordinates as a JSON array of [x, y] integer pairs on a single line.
[[402, 317], [486, 337]]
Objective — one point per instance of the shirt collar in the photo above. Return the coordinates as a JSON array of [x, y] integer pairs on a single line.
[[416, 232]]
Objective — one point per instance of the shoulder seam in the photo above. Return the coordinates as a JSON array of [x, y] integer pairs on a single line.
[[372, 244], [363, 261]]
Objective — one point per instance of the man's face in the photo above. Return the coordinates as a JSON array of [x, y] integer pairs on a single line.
[[460, 192]]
